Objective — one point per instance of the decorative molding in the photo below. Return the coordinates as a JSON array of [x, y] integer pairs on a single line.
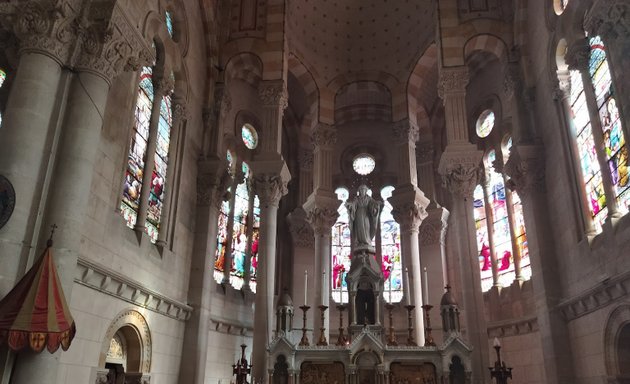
[[609, 19], [325, 135], [130, 317], [113, 283], [406, 131], [270, 188], [526, 168], [603, 294], [273, 94], [513, 327], [578, 55], [230, 327], [452, 80], [618, 319]]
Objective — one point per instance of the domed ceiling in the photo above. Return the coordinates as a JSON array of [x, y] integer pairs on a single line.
[[336, 37]]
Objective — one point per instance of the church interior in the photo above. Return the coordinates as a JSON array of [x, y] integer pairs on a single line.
[[314, 192]]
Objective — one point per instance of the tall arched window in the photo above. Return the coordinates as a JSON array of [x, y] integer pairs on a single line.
[[222, 228], [3, 77], [341, 248], [240, 229], [391, 264], [601, 145]]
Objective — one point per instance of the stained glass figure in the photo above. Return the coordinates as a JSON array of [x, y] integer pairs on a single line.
[[222, 239], [521, 236], [254, 249], [485, 123], [614, 140], [137, 153], [391, 265], [169, 22], [250, 136], [239, 229], [591, 172], [364, 164], [483, 240], [340, 252]]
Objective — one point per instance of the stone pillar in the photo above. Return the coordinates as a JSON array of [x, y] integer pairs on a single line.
[[321, 208], [526, 167], [610, 19], [270, 186], [305, 160], [409, 209], [28, 125], [106, 51], [212, 184], [460, 171]]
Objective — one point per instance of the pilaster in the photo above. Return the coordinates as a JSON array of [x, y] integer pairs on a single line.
[[273, 96], [452, 90]]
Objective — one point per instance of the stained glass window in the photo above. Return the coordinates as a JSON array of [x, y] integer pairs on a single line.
[[521, 236], [254, 249], [483, 240], [391, 264], [340, 251], [3, 77], [249, 135], [240, 230], [364, 164], [169, 23], [137, 152], [485, 123], [222, 231], [613, 137]]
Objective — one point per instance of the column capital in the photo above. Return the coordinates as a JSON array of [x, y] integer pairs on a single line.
[[321, 210], [563, 89], [433, 226], [578, 55], [273, 94], [461, 171], [409, 207], [324, 135], [452, 81], [301, 231], [212, 186], [270, 181], [526, 169], [512, 82], [406, 131], [163, 84], [424, 152], [609, 19], [305, 159]]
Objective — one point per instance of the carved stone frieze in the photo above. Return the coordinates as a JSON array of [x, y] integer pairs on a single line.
[[452, 80], [270, 188], [274, 94], [609, 19], [406, 131], [322, 219], [526, 170], [325, 135], [578, 55]]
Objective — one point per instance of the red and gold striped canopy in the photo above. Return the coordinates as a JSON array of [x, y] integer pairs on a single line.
[[35, 313]]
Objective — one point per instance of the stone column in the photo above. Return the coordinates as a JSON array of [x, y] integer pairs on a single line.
[[270, 186], [460, 170], [321, 208], [409, 209], [28, 126], [526, 167], [106, 52], [212, 184]]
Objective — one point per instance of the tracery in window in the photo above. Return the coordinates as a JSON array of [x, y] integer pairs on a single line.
[[614, 141], [391, 264], [364, 164], [341, 247], [137, 153], [485, 123], [169, 22], [249, 136]]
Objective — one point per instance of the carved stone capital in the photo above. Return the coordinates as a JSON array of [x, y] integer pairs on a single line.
[[270, 188], [512, 82], [180, 110], [406, 131], [609, 19], [430, 233], [452, 80], [322, 219], [163, 84], [301, 231], [563, 89], [305, 159], [273, 94], [324, 135], [410, 215], [526, 169], [461, 171], [212, 188], [578, 55], [424, 152]]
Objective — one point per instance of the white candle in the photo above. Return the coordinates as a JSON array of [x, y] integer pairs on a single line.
[[390, 286], [407, 285], [305, 286], [425, 295], [324, 287], [341, 288]]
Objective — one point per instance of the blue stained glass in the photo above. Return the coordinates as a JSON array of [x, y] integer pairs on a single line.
[[249, 135], [485, 123], [391, 264], [521, 236], [340, 251], [169, 22], [222, 236], [255, 242], [483, 241], [240, 230]]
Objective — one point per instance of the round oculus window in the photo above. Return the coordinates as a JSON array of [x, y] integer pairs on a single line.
[[363, 164], [485, 123], [249, 135]]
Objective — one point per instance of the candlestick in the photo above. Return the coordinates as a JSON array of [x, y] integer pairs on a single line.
[[324, 288], [407, 285], [341, 340], [305, 285], [425, 294], [322, 336], [410, 340], [391, 339], [428, 338], [304, 341]]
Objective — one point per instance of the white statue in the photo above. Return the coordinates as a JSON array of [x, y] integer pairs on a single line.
[[363, 212]]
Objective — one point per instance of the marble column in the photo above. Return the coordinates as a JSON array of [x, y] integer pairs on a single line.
[[526, 168], [270, 186], [460, 167], [321, 209], [105, 53], [409, 209], [212, 184]]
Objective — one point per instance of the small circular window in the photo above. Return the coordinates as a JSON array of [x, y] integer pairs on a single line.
[[485, 123], [363, 164], [250, 137]]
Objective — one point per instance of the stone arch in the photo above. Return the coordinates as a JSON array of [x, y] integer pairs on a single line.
[[421, 88], [135, 328], [306, 79], [366, 100], [486, 43], [180, 22], [617, 331], [245, 66]]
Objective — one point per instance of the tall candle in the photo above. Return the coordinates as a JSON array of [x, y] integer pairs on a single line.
[[425, 293], [390, 286], [305, 285], [341, 288], [407, 285], [324, 287]]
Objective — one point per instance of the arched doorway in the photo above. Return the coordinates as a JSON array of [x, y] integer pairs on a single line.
[[617, 345]]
